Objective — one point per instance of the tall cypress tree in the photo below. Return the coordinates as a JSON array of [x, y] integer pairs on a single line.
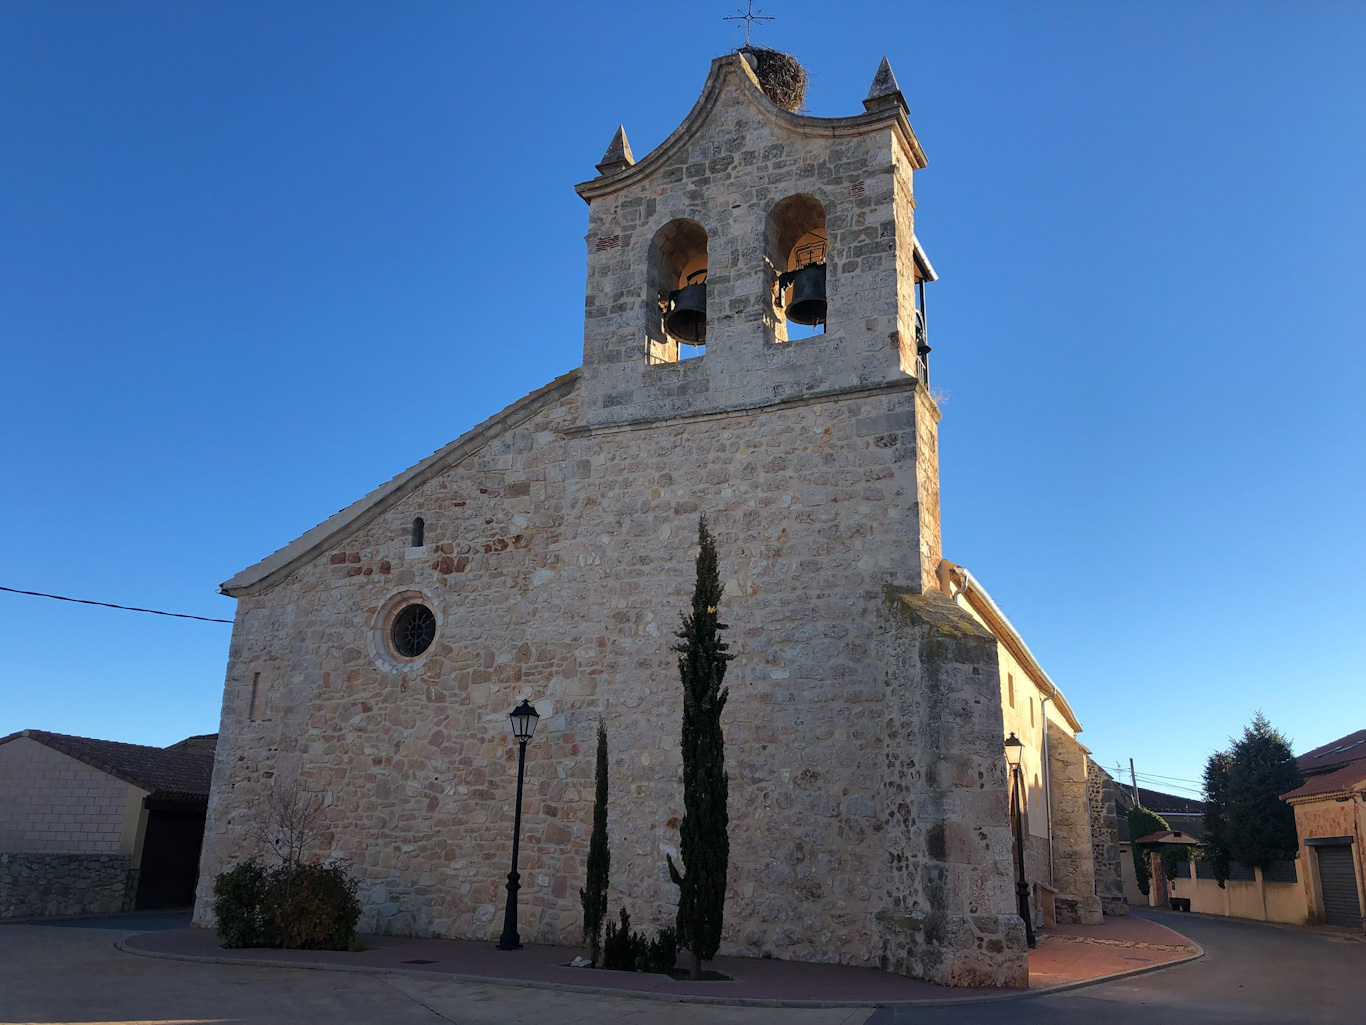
[[704, 843], [594, 893]]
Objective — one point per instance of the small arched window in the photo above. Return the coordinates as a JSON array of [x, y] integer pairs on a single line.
[[419, 533]]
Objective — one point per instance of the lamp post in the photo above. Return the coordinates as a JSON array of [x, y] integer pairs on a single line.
[[1014, 748], [523, 719]]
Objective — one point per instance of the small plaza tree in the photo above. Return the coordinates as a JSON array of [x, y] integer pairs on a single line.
[[704, 841], [594, 893]]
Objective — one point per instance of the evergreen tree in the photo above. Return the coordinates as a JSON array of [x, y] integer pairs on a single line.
[[704, 844], [1261, 827], [1216, 813], [594, 893]]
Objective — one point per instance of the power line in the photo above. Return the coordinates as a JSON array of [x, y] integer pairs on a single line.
[[111, 605], [1179, 779]]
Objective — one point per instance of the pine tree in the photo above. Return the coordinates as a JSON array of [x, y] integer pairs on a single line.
[[594, 893], [1216, 813], [704, 843], [1261, 827]]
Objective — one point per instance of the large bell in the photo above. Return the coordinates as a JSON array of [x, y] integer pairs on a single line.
[[686, 318], [808, 295]]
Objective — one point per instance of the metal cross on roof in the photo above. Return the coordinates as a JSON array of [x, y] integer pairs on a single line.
[[749, 18]]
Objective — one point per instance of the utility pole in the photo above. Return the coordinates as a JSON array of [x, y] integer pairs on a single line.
[[1133, 778]]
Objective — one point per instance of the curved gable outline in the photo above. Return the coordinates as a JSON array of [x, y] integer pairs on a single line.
[[276, 567], [799, 124]]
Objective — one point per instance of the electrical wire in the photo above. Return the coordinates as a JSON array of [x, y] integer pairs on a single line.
[[111, 605]]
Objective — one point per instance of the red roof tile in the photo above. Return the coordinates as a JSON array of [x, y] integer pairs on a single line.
[[1342, 779], [1334, 754]]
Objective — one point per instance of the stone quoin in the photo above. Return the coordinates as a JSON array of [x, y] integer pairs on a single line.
[[868, 696]]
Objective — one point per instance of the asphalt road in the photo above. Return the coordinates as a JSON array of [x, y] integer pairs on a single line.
[[1251, 973], [71, 972]]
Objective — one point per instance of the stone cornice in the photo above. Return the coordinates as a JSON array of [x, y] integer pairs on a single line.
[[893, 118], [810, 399]]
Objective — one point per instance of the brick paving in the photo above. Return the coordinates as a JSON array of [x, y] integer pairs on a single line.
[[1065, 956]]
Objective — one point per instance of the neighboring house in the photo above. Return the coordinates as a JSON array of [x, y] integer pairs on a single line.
[[1329, 819], [93, 826]]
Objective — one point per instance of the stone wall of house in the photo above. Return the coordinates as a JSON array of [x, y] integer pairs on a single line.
[[40, 885], [1101, 795], [1073, 872], [53, 803]]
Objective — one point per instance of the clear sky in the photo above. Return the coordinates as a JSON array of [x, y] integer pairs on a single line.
[[257, 258]]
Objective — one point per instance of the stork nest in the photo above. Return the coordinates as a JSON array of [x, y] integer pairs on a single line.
[[781, 75]]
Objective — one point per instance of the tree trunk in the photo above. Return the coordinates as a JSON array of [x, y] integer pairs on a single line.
[[696, 965]]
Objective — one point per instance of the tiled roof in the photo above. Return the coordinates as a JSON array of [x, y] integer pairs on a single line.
[[165, 771], [1169, 836], [1334, 754], [1343, 779]]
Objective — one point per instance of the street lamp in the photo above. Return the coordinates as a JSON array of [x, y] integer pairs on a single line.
[[1014, 748], [523, 719]]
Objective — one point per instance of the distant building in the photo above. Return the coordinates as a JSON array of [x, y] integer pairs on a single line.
[[1329, 819], [95, 826]]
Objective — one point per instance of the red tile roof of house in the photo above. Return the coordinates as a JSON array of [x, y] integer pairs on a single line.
[[1333, 755], [1169, 836], [1340, 781], [174, 771]]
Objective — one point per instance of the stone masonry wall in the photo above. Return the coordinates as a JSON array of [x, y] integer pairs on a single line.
[[40, 885], [557, 564], [1105, 853], [947, 836], [1074, 875]]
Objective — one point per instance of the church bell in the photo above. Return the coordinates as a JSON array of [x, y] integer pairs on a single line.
[[808, 295], [686, 318]]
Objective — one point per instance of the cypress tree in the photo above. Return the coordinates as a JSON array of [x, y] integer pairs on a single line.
[[594, 893], [704, 843], [1261, 827]]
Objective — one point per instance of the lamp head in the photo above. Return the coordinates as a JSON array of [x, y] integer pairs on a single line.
[[1014, 748], [524, 718]]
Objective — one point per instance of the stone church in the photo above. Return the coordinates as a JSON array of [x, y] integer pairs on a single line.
[[754, 350]]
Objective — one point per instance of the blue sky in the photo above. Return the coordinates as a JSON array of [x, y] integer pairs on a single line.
[[257, 258]]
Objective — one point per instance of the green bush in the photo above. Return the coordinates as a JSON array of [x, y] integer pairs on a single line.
[[1141, 823], [237, 901], [304, 907], [627, 951]]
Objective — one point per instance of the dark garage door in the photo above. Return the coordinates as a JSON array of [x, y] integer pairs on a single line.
[[1338, 877], [170, 858]]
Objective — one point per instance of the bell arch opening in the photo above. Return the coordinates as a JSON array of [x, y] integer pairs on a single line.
[[676, 293], [795, 248]]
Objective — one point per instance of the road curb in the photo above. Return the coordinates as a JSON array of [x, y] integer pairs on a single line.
[[673, 998]]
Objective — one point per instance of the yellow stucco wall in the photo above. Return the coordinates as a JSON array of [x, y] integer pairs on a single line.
[[1023, 711], [1328, 816]]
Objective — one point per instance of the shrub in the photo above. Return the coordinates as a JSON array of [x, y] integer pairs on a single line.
[[660, 953], [313, 908], [1141, 823], [618, 953], [627, 951], [305, 907], [237, 903]]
